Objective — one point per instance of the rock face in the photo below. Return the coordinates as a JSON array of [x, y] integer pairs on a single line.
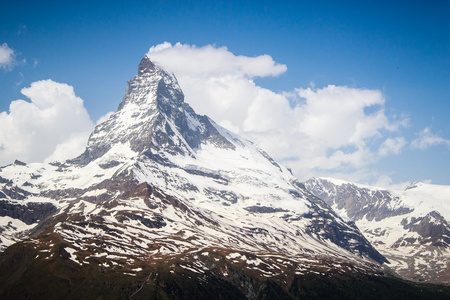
[[358, 202], [173, 200], [410, 228]]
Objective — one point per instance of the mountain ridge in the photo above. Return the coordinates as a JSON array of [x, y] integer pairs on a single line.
[[409, 227]]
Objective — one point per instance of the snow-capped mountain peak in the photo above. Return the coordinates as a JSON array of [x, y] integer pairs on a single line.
[[157, 180]]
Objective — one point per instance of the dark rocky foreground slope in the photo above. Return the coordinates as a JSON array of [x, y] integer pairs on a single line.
[[191, 276]]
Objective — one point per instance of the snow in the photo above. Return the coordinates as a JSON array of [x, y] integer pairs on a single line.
[[193, 123], [428, 197], [94, 193], [192, 269], [15, 223], [233, 255], [12, 230], [336, 181], [255, 262], [72, 257]]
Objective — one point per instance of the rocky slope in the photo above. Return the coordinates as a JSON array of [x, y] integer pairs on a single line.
[[166, 203], [410, 227]]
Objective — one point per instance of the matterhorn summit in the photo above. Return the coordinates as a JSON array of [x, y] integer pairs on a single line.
[[166, 203], [152, 108]]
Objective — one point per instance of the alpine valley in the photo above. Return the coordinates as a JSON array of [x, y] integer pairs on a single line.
[[166, 204]]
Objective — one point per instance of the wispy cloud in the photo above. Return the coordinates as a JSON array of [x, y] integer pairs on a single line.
[[21, 79], [392, 146], [22, 30], [7, 57], [428, 139]]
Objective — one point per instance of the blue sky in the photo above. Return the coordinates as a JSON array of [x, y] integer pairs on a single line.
[[399, 50]]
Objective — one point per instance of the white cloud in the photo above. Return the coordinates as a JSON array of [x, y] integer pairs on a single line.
[[310, 130], [21, 79], [54, 120], [392, 146], [335, 114], [385, 181], [208, 60], [7, 57], [70, 147], [104, 117], [427, 139]]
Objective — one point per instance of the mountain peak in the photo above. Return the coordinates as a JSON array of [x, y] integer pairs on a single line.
[[146, 66], [152, 118]]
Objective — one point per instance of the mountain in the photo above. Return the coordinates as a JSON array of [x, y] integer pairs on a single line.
[[164, 203], [410, 228]]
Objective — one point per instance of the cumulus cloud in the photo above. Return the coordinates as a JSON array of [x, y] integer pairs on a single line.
[[342, 108], [70, 147], [209, 60], [427, 139], [7, 57], [326, 129], [54, 125], [329, 129]]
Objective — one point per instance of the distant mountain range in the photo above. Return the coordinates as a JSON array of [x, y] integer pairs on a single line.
[[409, 228], [166, 204]]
